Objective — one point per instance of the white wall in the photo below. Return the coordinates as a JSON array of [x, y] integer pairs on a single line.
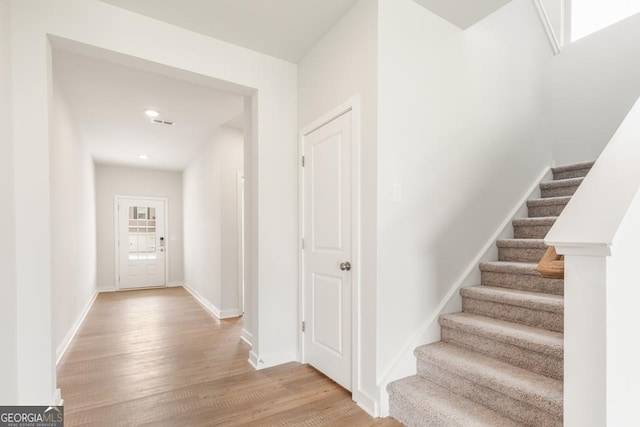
[[622, 320], [596, 80], [210, 222], [202, 212], [231, 152], [94, 25], [342, 65], [31, 176], [8, 362], [73, 219], [462, 121], [126, 181]]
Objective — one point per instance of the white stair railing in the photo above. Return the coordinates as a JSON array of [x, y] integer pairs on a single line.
[[555, 17]]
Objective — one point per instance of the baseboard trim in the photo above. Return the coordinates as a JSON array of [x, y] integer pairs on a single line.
[[203, 301], [219, 314], [174, 284], [247, 337], [57, 399], [269, 360], [404, 363], [367, 403], [64, 345], [253, 360], [228, 314]]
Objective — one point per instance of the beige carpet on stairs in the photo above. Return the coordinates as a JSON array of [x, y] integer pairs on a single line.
[[500, 361]]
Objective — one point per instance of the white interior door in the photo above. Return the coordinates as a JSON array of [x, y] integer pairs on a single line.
[[141, 243], [328, 246]]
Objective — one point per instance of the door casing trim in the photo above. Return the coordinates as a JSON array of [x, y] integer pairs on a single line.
[[352, 105]]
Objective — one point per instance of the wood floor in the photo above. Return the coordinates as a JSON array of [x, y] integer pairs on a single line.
[[156, 357]]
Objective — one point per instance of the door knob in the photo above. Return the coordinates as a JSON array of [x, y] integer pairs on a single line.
[[345, 266]]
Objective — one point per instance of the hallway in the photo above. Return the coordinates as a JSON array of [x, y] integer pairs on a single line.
[[157, 357]]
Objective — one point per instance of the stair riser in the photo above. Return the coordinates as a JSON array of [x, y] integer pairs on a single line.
[[524, 282], [542, 211], [559, 191], [520, 254], [531, 231], [577, 173], [405, 412], [417, 402], [522, 315], [501, 403], [540, 363]]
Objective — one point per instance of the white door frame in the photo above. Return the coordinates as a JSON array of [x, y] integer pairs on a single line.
[[240, 208], [352, 105], [165, 201]]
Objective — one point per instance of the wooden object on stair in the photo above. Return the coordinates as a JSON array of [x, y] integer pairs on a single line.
[[551, 265]]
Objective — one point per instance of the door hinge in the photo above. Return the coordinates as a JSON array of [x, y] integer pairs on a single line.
[[303, 326], [118, 278], [302, 243], [302, 161]]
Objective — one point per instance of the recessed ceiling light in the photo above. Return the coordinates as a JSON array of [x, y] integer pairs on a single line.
[[143, 156], [151, 113]]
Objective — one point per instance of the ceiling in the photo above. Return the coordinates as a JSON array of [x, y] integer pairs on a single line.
[[108, 100], [286, 29], [463, 13]]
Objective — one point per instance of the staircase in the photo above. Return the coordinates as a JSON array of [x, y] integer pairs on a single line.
[[500, 361]]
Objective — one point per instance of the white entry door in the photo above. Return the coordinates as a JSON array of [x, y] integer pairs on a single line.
[[327, 252], [141, 243]]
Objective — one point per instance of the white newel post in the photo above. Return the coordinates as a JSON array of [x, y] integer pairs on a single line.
[[585, 338]]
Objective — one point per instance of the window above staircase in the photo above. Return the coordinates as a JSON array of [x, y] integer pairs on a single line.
[[566, 21], [589, 16]]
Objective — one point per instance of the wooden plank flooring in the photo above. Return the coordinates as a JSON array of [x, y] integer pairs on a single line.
[[156, 357]]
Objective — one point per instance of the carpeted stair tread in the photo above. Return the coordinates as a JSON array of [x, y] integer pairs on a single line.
[[560, 187], [546, 207], [572, 170], [510, 267], [515, 383], [534, 339], [519, 275], [539, 310], [573, 166], [417, 402], [535, 222], [507, 348], [521, 250], [533, 300], [522, 243], [549, 201], [569, 182], [532, 228]]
